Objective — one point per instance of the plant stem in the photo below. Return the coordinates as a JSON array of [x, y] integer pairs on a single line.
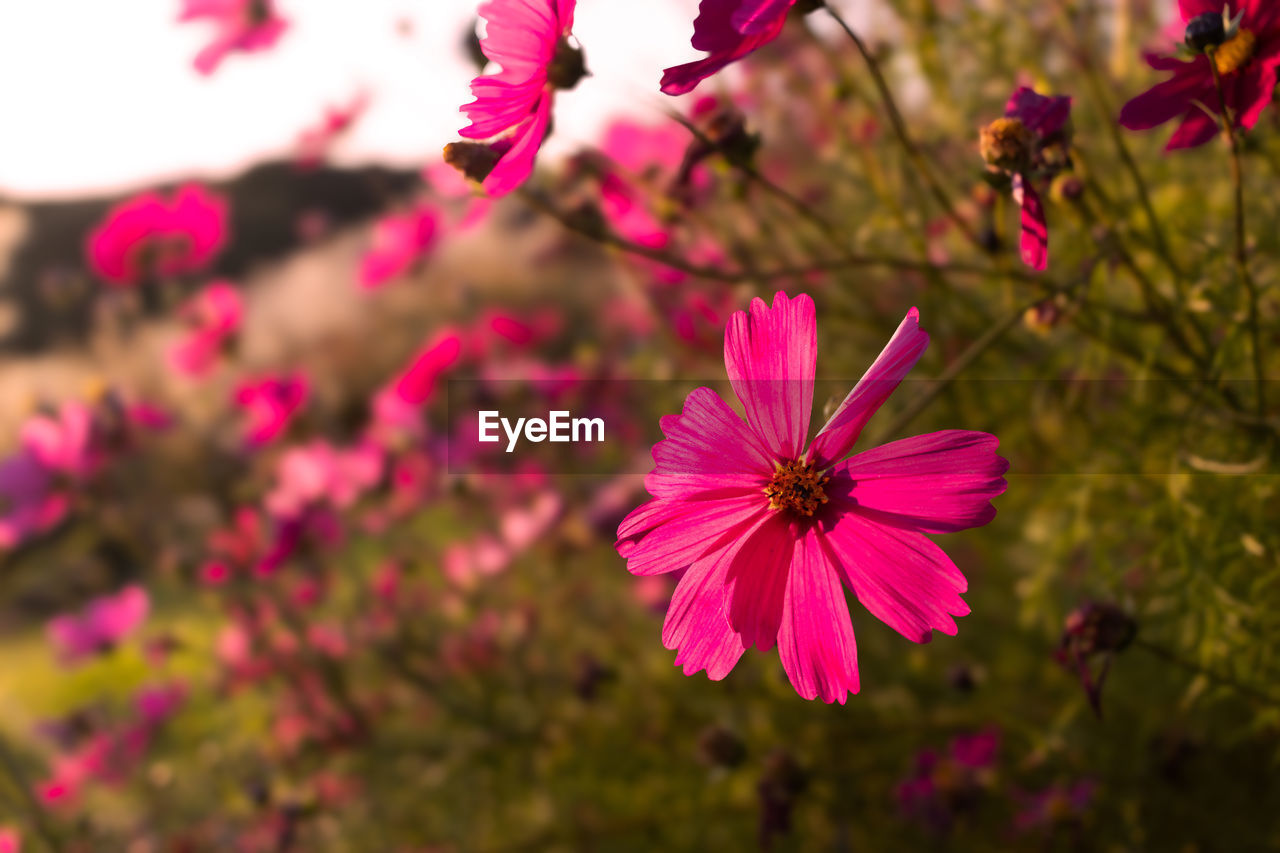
[[1241, 257], [36, 812], [900, 130], [1212, 675], [850, 260]]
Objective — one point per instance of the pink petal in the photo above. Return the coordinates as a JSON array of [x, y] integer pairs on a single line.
[[1253, 91], [1193, 8], [517, 164], [708, 452], [714, 33], [754, 16], [1169, 99], [695, 623], [757, 582], [816, 642], [771, 357], [886, 372], [1033, 242], [935, 483], [1196, 129], [658, 539], [902, 577]]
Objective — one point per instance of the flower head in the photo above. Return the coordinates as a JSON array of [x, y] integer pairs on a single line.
[[530, 39], [398, 241], [240, 25], [213, 317], [770, 530], [1029, 145], [1243, 50], [269, 404], [100, 626], [149, 237], [727, 30]]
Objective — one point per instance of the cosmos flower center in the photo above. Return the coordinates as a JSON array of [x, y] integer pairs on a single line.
[[1007, 144], [568, 65], [796, 487], [1235, 51]]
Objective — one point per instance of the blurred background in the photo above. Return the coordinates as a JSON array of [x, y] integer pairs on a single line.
[[260, 590]]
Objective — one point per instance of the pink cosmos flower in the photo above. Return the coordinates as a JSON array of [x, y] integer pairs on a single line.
[[769, 529], [269, 404], [321, 474], [10, 840], [213, 316], [67, 442], [315, 142], [1029, 144], [398, 241], [512, 109], [29, 503], [1246, 52], [240, 25], [100, 626], [726, 30], [149, 237]]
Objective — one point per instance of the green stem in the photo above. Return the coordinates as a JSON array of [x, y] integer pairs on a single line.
[[900, 130], [1241, 255], [39, 819]]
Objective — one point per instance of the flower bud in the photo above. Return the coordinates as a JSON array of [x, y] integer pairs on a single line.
[[1207, 30], [1007, 144]]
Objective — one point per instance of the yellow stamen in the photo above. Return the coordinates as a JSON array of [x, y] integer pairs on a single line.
[[1235, 52], [796, 487]]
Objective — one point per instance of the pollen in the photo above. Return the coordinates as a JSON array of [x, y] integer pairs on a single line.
[[797, 487], [1234, 52], [1006, 143]]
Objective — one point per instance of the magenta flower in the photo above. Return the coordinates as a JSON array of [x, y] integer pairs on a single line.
[[29, 502], [399, 240], [726, 30], [269, 404], [213, 316], [149, 237], [769, 529], [319, 474], [1246, 51], [240, 25], [100, 626], [512, 109], [1029, 144]]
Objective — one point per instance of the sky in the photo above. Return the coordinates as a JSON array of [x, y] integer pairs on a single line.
[[100, 95]]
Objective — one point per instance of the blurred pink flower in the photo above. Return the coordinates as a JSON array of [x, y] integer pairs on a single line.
[[157, 703], [64, 442], [448, 185], [1017, 145], [239, 25], [10, 840], [213, 316], [417, 383], [512, 109], [314, 142], [269, 404], [149, 237], [29, 503], [321, 474], [768, 529], [399, 240], [726, 30], [100, 626], [1055, 806], [1247, 60]]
